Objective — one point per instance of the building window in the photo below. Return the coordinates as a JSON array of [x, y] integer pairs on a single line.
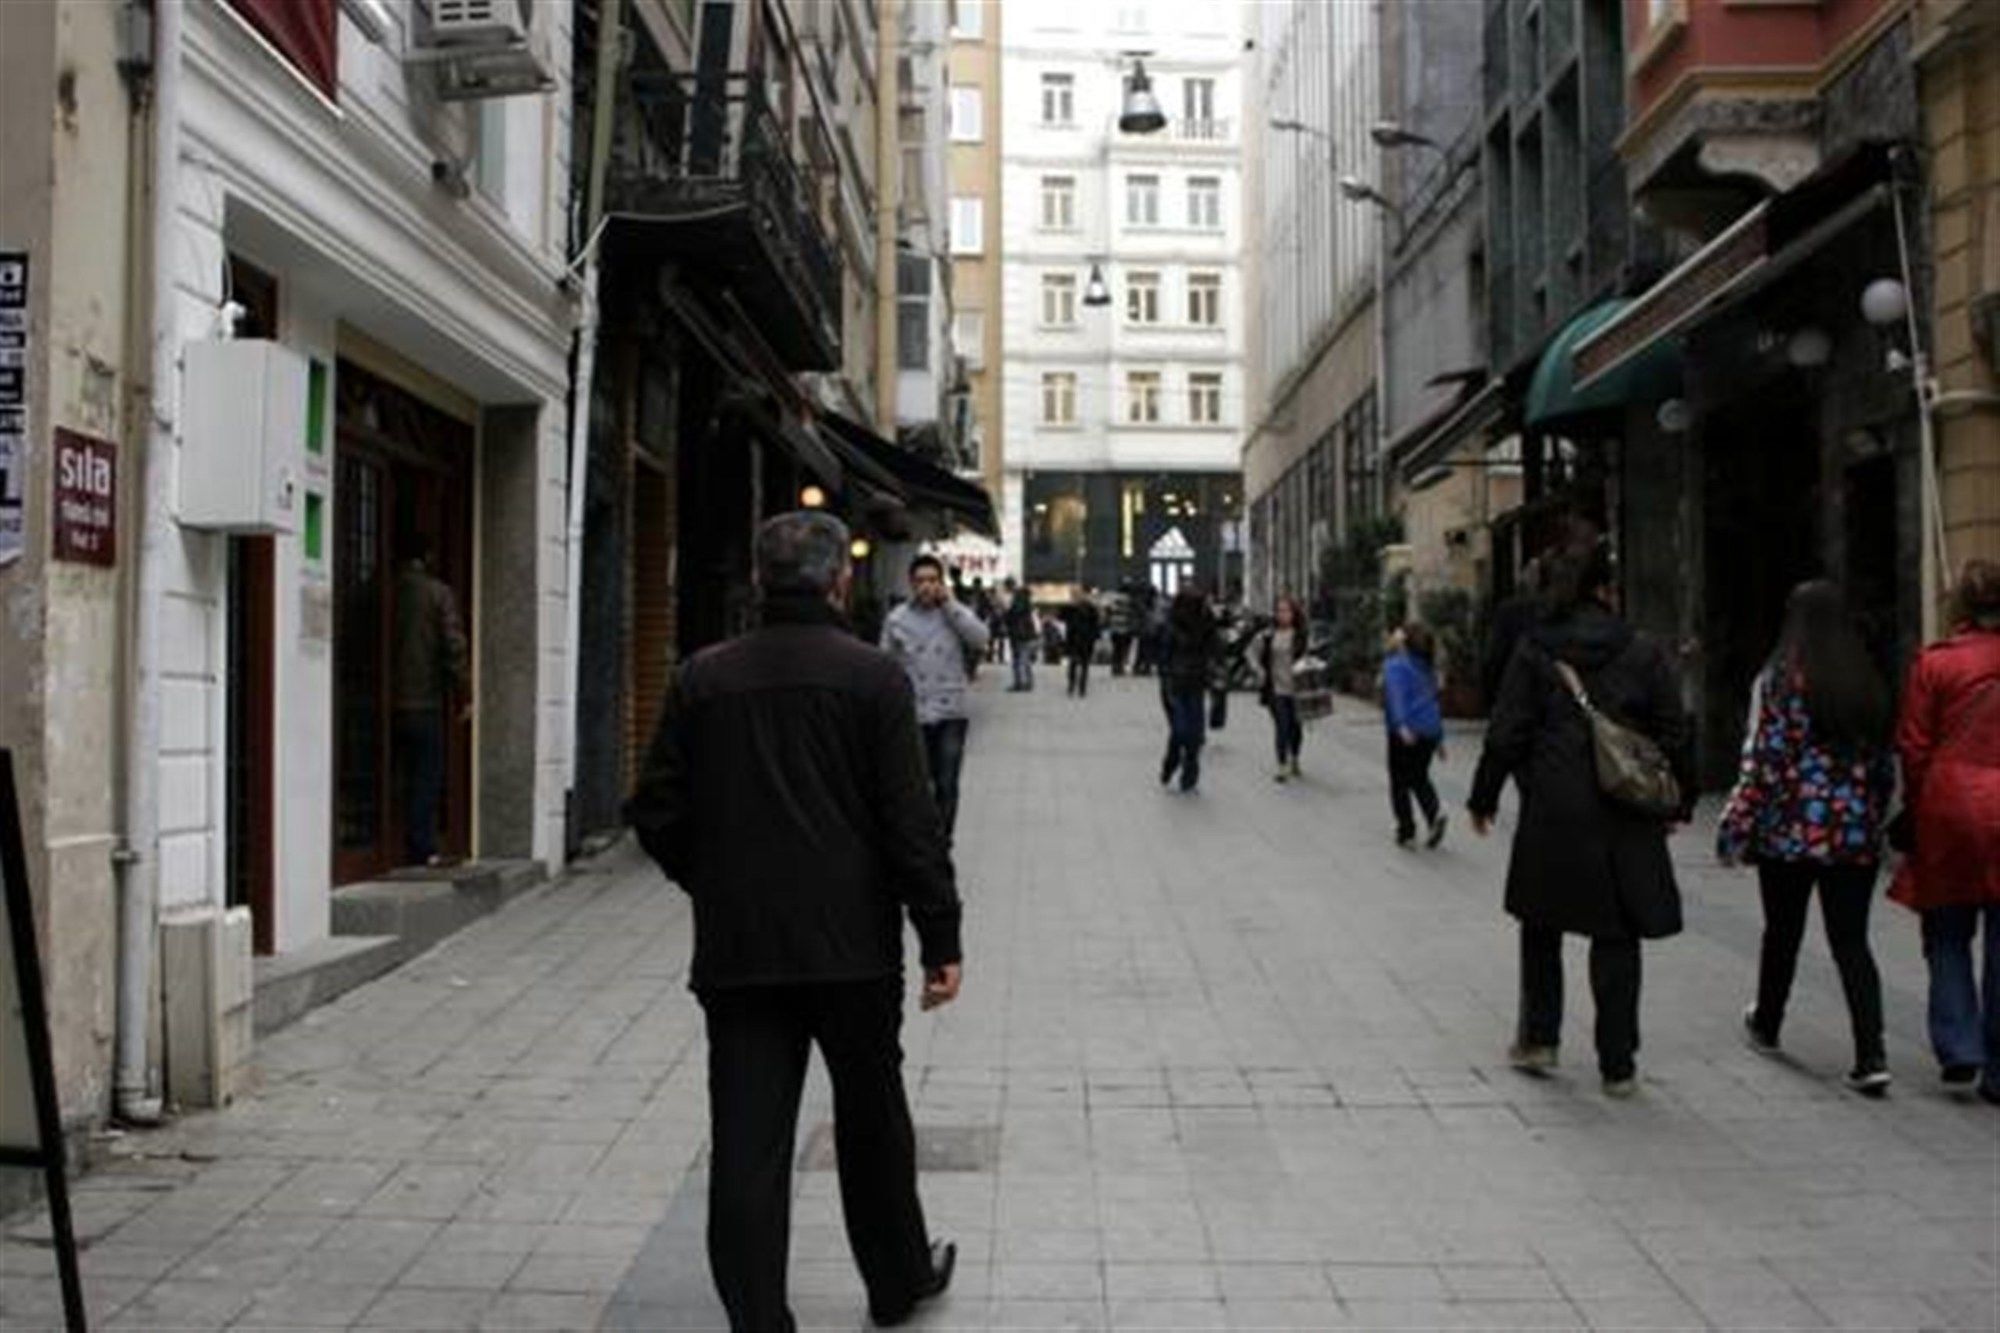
[[1142, 201], [1059, 300], [1058, 203], [969, 22], [968, 337], [1198, 108], [1058, 100], [1205, 399], [1359, 452], [1205, 299], [1059, 398], [1142, 397], [968, 225], [1204, 203], [913, 312], [1142, 298], [968, 115]]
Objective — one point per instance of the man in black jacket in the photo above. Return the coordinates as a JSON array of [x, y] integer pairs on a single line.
[[786, 791]]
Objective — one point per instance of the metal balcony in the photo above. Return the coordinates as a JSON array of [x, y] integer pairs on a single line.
[[711, 175]]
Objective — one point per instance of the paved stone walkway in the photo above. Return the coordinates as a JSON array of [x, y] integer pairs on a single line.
[[1227, 1061]]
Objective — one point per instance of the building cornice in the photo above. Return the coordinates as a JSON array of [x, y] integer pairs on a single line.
[[1775, 83]]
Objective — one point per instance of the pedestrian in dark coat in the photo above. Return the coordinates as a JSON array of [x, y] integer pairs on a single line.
[[1949, 740], [1582, 865], [1810, 800], [1082, 623], [786, 791], [1191, 645]]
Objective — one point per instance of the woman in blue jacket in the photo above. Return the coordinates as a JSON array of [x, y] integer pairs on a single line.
[[1416, 733]]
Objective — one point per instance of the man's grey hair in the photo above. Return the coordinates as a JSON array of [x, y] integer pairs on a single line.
[[801, 552]]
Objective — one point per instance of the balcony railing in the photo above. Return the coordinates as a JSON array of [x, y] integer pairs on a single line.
[[1186, 130], [710, 155]]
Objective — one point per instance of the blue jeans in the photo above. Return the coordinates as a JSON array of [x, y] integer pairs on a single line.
[[419, 738], [1965, 1025], [1187, 728], [944, 751], [1024, 664]]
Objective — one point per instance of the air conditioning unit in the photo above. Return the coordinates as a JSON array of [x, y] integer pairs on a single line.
[[484, 48], [479, 22]]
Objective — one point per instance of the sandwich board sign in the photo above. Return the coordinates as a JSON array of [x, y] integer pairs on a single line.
[[30, 1125]]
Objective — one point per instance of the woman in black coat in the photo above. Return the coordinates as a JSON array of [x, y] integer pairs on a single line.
[[1582, 865], [1192, 644]]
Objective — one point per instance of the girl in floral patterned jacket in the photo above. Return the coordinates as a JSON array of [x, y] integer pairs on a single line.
[[1808, 809]]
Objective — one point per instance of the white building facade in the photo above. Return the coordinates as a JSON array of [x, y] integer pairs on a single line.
[[413, 252], [1124, 420]]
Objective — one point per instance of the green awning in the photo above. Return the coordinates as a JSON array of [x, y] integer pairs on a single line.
[[1651, 376]]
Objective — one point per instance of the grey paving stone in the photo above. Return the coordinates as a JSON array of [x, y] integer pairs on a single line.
[[183, 1305], [425, 1311]]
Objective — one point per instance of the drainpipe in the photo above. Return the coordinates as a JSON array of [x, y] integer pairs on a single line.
[[135, 1086], [888, 208], [610, 24]]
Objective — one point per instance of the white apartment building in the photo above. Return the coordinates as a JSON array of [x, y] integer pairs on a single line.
[[1124, 420]]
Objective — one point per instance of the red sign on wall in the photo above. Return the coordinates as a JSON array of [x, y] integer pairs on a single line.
[[86, 508]]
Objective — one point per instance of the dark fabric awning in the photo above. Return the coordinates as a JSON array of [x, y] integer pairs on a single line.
[[1433, 439], [1764, 244], [918, 483], [1554, 394]]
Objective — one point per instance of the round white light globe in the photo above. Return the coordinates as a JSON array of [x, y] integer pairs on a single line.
[[1884, 301]]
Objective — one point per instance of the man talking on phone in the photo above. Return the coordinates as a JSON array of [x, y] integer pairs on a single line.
[[787, 792]]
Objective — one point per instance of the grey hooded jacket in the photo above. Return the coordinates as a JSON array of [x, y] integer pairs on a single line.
[[931, 644]]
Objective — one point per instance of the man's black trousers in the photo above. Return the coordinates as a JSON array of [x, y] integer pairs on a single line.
[[759, 1038]]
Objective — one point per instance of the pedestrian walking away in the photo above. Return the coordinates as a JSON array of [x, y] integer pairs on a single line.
[[786, 792], [1082, 624], [1807, 810], [1023, 636], [1278, 648], [431, 668], [1415, 726], [1580, 863], [1123, 622], [1188, 657], [939, 641], [1948, 736]]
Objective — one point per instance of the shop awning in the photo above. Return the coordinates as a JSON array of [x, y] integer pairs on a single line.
[[1433, 440], [918, 483], [1758, 248], [1554, 394]]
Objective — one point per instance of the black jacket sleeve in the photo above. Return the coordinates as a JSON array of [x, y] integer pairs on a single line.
[[658, 808], [1510, 730], [1668, 723], [915, 846]]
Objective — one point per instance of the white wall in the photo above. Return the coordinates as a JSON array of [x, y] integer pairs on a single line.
[[341, 208]]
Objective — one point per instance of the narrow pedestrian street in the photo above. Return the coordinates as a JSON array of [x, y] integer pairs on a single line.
[[1222, 1061]]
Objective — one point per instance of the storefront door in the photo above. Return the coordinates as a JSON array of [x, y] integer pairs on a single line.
[[404, 484]]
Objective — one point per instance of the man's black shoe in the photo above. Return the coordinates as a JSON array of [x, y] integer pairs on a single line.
[[944, 1258]]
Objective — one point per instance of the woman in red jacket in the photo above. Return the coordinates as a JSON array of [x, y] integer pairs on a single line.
[[1949, 739]]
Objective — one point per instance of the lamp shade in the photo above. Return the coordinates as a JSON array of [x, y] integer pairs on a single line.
[[1142, 114], [1095, 291], [1884, 301]]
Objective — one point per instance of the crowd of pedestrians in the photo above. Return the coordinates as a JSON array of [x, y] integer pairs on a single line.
[[803, 787], [1584, 703]]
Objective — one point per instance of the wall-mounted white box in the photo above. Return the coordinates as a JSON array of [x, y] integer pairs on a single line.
[[243, 433]]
